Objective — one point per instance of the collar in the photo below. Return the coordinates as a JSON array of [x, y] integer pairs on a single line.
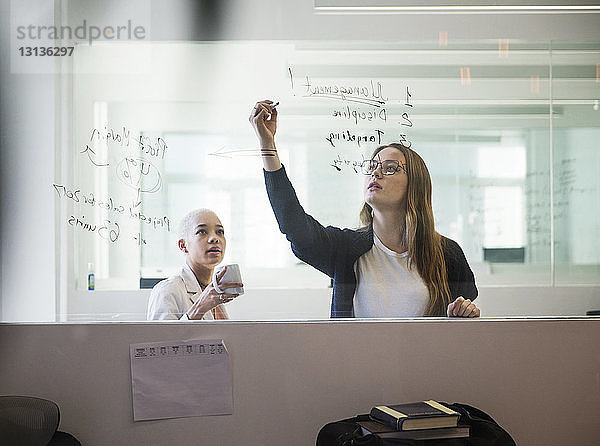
[[189, 279]]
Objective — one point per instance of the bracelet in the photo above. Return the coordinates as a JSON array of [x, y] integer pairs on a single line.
[[268, 152]]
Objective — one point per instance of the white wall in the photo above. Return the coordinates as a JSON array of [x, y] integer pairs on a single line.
[[538, 378], [27, 155]]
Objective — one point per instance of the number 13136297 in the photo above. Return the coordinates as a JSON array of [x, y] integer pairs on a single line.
[[58, 51]]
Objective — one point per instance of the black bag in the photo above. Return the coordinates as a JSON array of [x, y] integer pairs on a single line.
[[484, 431]]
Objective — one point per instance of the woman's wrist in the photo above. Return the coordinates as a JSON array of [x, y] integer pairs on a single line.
[[268, 152], [198, 312], [194, 317], [267, 144], [271, 160]]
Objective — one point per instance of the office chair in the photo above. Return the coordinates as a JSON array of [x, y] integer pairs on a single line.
[[30, 421]]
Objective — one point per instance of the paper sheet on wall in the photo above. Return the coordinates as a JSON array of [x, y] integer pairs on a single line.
[[180, 379]]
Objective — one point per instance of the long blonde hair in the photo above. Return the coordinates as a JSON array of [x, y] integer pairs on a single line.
[[423, 242]]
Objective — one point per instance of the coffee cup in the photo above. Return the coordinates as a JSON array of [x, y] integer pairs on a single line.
[[232, 274]]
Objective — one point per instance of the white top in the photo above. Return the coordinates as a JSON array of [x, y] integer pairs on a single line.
[[172, 297], [386, 287]]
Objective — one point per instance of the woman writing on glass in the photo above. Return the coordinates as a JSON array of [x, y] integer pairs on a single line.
[[396, 265]]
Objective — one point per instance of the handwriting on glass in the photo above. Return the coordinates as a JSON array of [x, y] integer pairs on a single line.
[[351, 136], [106, 229], [339, 162], [137, 172], [109, 230], [370, 94], [139, 175], [359, 104], [131, 156], [155, 147]]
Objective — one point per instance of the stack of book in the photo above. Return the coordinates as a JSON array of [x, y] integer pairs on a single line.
[[425, 420]]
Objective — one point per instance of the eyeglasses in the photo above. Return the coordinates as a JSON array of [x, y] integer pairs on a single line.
[[388, 167]]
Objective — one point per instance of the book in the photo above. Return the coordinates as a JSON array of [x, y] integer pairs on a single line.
[[422, 415], [384, 431]]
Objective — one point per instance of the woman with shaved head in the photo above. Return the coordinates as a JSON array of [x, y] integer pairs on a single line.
[[190, 295]]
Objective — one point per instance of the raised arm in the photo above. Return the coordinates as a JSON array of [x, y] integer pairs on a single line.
[[311, 242]]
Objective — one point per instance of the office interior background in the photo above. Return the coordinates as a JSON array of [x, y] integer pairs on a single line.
[[111, 146], [104, 150]]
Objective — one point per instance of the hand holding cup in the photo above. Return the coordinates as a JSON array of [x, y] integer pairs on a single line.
[[228, 279], [221, 290]]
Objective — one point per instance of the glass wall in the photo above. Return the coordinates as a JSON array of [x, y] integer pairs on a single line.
[[509, 132]]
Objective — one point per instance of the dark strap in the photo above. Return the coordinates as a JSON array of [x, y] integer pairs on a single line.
[[484, 431], [345, 433]]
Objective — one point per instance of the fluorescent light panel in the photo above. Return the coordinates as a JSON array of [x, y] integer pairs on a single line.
[[439, 6]]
